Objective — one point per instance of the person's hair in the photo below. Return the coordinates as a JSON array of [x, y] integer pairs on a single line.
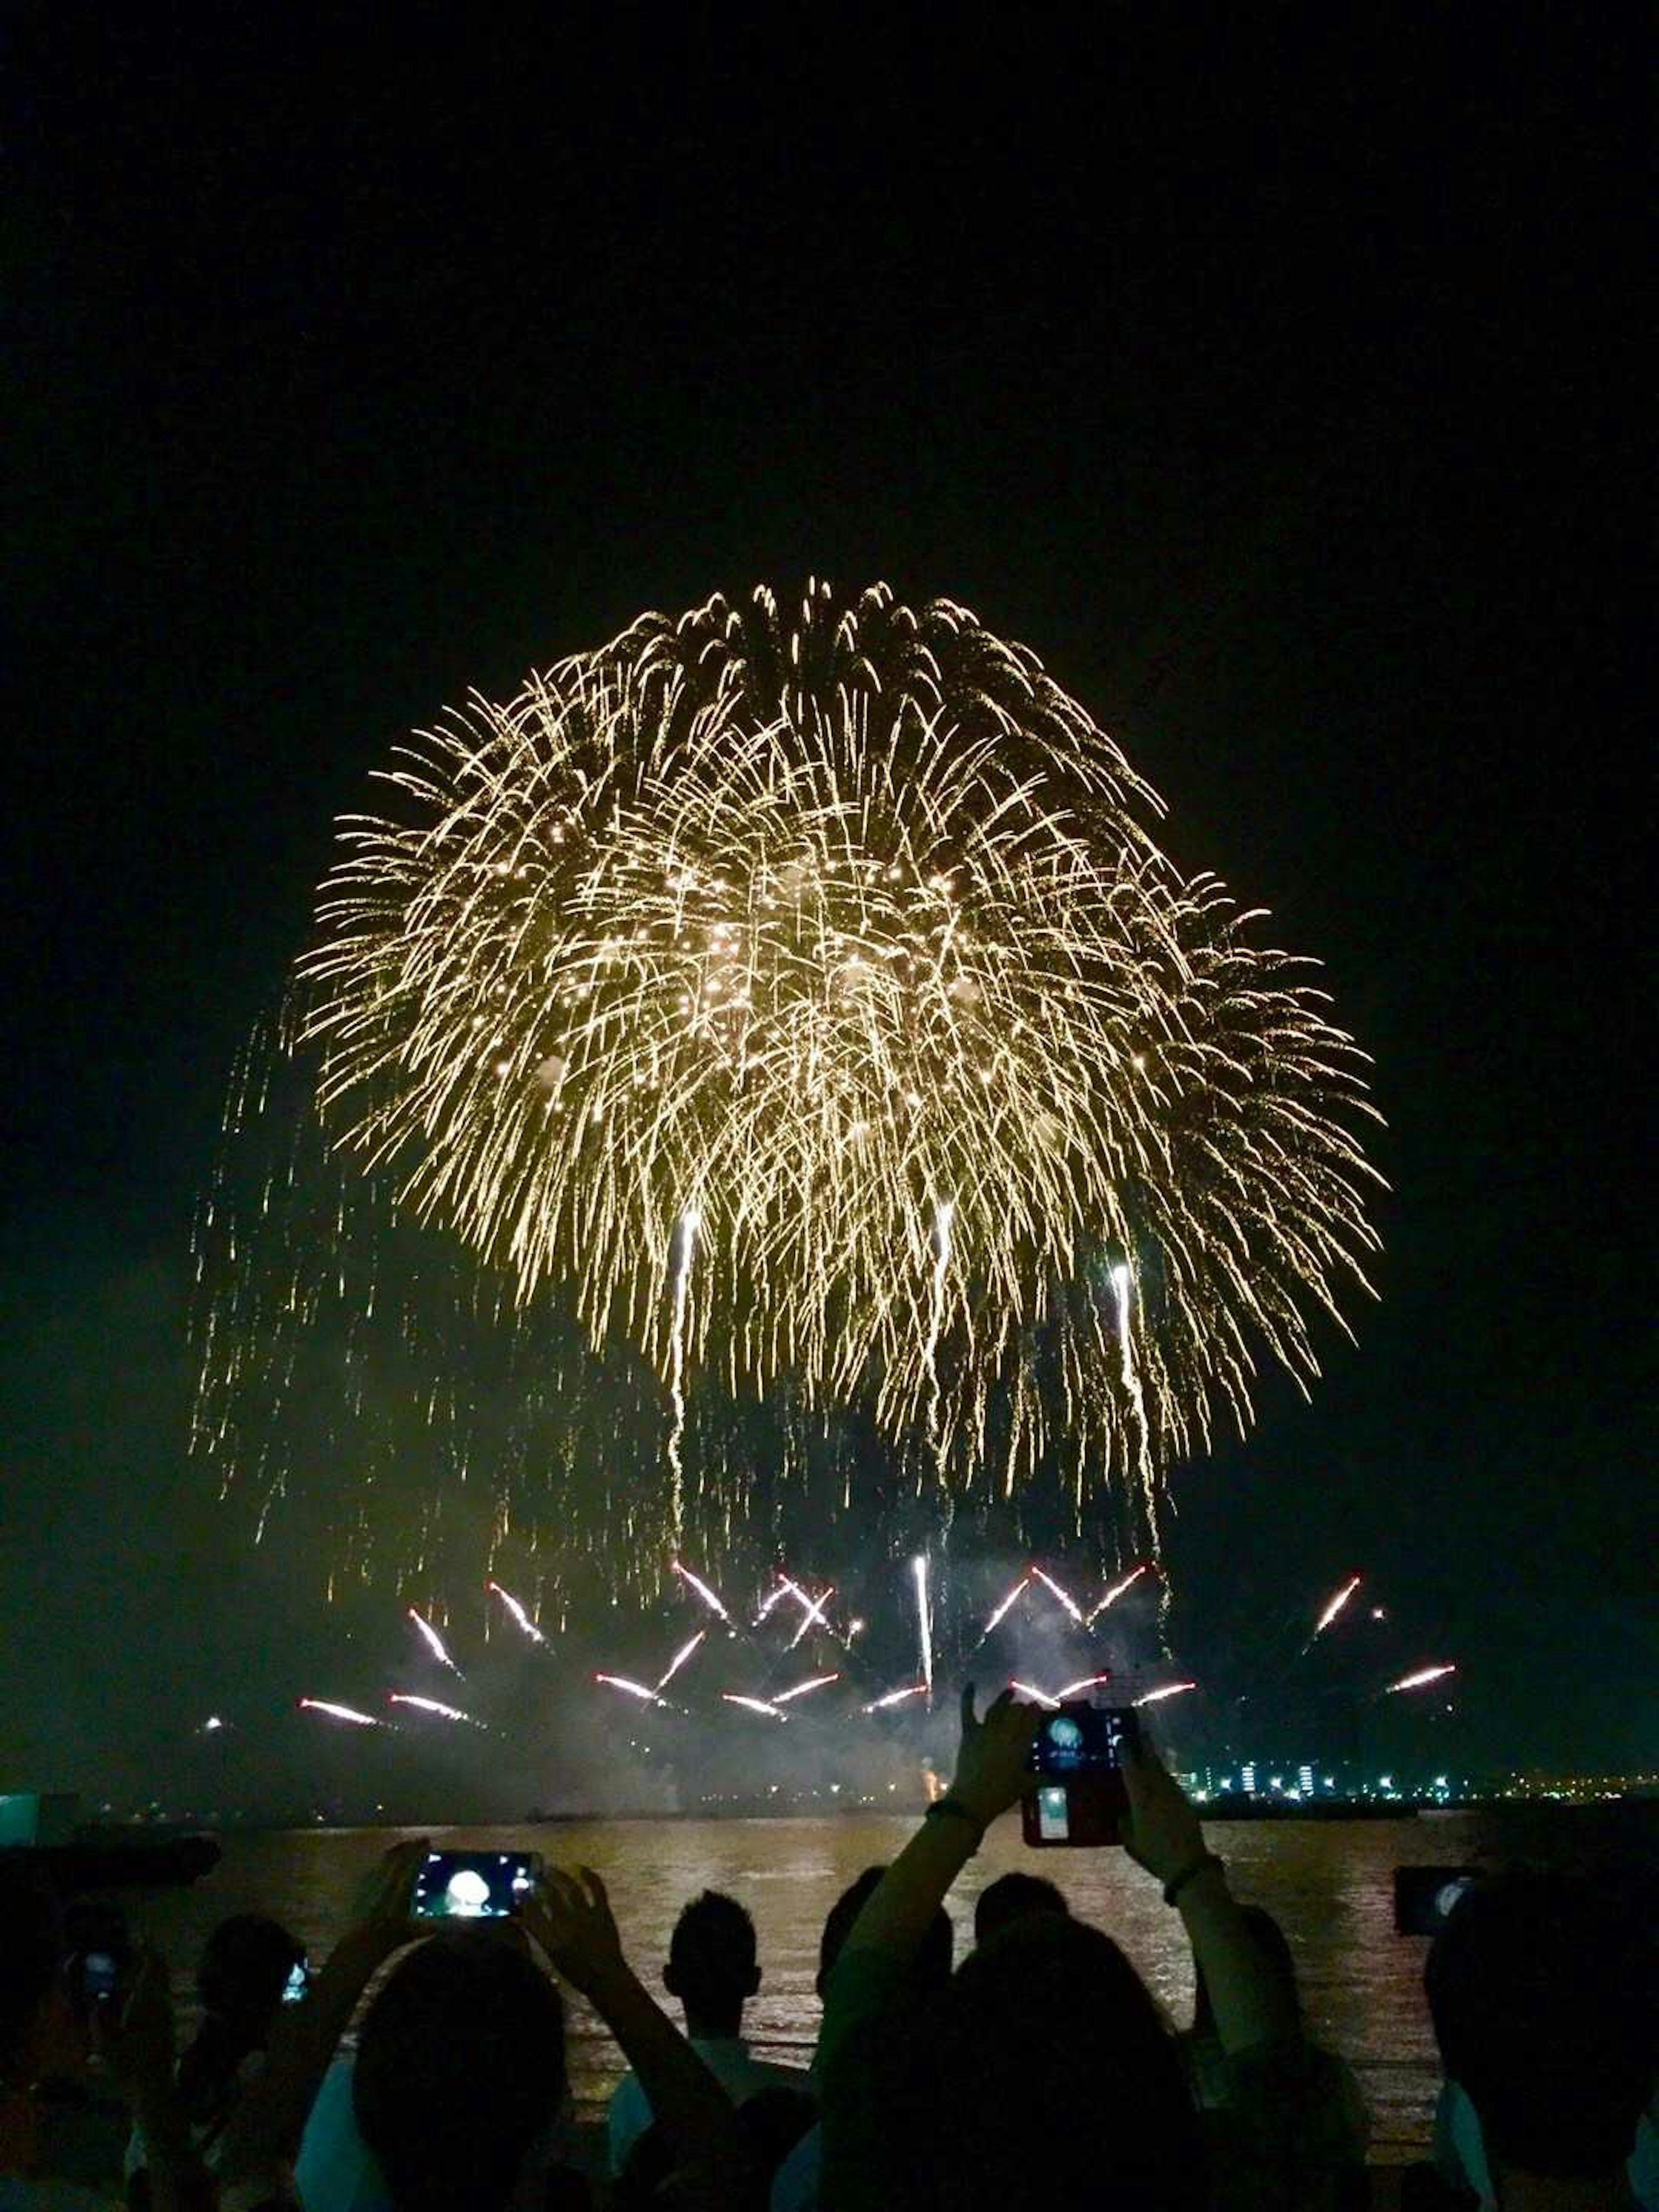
[[1012, 1897], [931, 1967], [1542, 1994], [712, 1960], [1272, 1946], [1104, 2116], [460, 2068], [31, 1954]]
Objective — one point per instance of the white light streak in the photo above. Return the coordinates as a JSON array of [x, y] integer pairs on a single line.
[[339, 1712]]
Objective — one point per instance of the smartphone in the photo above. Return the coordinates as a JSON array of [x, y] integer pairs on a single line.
[[1425, 1896], [100, 1981], [475, 1884], [298, 1982], [1078, 1756], [100, 1957]]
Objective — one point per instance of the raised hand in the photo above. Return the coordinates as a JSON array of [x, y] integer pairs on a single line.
[[993, 1766], [385, 1895], [569, 1916], [1162, 1832]]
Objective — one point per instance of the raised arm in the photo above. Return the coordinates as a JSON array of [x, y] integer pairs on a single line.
[[992, 1773], [265, 2129], [1251, 2004], [570, 1918]]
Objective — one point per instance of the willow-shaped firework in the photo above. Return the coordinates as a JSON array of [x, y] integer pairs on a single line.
[[808, 996]]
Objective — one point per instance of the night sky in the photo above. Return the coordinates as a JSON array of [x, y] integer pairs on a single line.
[[1281, 395]]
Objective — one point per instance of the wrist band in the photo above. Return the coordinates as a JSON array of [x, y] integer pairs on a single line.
[[1190, 1872], [950, 1808]]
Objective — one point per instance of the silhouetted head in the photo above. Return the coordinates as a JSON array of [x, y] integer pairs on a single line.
[[1542, 1993], [460, 2068], [712, 1966], [1276, 1955], [1012, 1897], [930, 1969], [1047, 2075], [245, 1967]]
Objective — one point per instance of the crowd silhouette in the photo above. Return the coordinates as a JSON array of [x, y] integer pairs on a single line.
[[1038, 2071]]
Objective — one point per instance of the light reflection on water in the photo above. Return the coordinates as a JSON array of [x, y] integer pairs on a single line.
[[1328, 1885]]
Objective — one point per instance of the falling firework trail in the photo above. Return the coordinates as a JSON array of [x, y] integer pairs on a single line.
[[1114, 1593], [434, 1641], [1419, 1680], [924, 1623], [697, 1583], [1169, 1690], [685, 1243], [944, 1215], [339, 1712], [517, 1611], [1087, 1682], [680, 1658], [752, 1704], [804, 915]]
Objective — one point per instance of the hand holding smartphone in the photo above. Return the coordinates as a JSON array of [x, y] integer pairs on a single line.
[[475, 1884], [1081, 1798]]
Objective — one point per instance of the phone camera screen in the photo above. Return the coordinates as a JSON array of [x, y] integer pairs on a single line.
[[473, 1885], [1080, 1740], [1054, 1821]]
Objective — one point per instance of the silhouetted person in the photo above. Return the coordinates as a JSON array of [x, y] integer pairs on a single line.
[[795, 2189], [1014, 1897], [460, 2073], [1543, 1996], [713, 1970]]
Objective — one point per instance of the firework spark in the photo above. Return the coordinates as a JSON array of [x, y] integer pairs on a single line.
[[434, 1643], [752, 1704], [1168, 1690], [817, 1682], [749, 935], [339, 1712], [517, 1611], [996, 1620], [1419, 1680], [1335, 1605], [1037, 1696], [924, 1622], [1085, 1682], [897, 1696], [631, 1689], [1068, 1602], [429, 1705], [697, 1583], [680, 1657], [1114, 1593], [811, 1614]]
